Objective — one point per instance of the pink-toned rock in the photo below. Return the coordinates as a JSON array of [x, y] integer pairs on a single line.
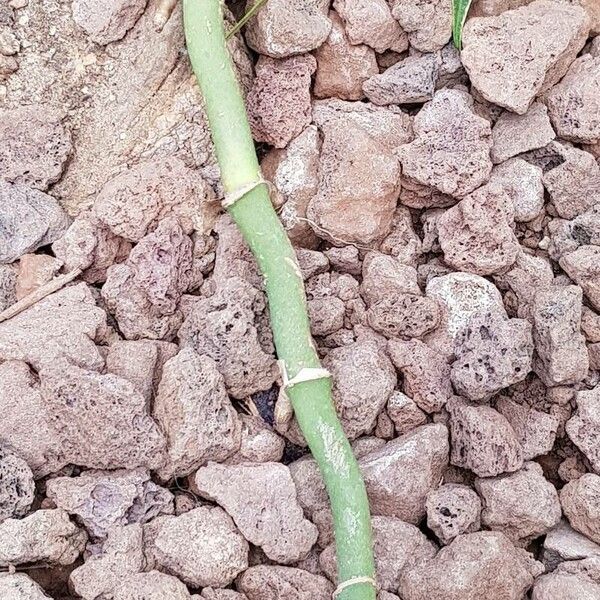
[[580, 499], [451, 152], [17, 488], [561, 353], [270, 32], [217, 594], [584, 426], [101, 500], [474, 566], [404, 413], [144, 291], [259, 442], [371, 22], [482, 440], [36, 144], [8, 282], [453, 509], [428, 24], [225, 328], [426, 375], [150, 586], [400, 475], [522, 505], [102, 420], [384, 276], [34, 271], [513, 134], [326, 315], [513, 57], [45, 536], [573, 103], [563, 543], [109, 21], [266, 582], [568, 235], [18, 586], [193, 410], [278, 103], [133, 203], [363, 380], [404, 316], [342, 66], [572, 580], [396, 545], [403, 243], [202, 547], [583, 267], [477, 234]]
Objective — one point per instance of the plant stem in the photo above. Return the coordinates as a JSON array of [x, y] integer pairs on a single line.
[[249, 14], [460, 9], [258, 222]]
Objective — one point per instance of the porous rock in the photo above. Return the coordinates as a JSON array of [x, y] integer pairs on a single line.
[[409, 81], [278, 103], [109, 21], [453, 509], [426, 375], [261, 499], [270, 32], [34, 271], [35, 145], [202, 547], [102, 420], [477, 234], [566, 236], [440, 157], [17, 488], [61, 327], [513, 57], [217, 594], [572, 580], [491, 353], [482, 440], [150, 586], [224, 327], [29, 219], [101, 500], [522, 505], [474, 566], [580, 499], [342, 66], [274, 582], [400, 474], [563, 543], [18, 586], [584, 426], [134, 202], [583, 267], [8, 282], [44, 536], [259, 442], [561, 354], [396, 546], [404, 413], [384, 276], [428, 24]]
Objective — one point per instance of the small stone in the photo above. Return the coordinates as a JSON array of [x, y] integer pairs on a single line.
[[346, 259], [261, 499], [535, 430], [403, 243], [453, 509], [522, 182], [278, 103], [8, 284], [400, 475], [202, 547], [326, 315], [396, 545], [563, 543], [35, 146], [426, 375], [28, 219], [583, 267], [428, 24], [18, 586], [568, 236], [270, 32], [150, 586], [474, 566], [451, 152], [259, 444], [404, 316], [109, 21], [273, 582], [572, 580], [482, 440], [342, 66], [409, 81], [522, 505], [477, 234], [384, 276], [34, 271], [561, 353], [17, 488], [573, 103], [404, 413], [45, 536], [584, 426], [590, 325], [513, 57], [101, 500], [215, 594], [580, 499]]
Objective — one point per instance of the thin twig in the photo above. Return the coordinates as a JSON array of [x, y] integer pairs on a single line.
[[251, 12], [44, 290]]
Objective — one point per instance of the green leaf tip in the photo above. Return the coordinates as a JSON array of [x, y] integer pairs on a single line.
[[460, 9]]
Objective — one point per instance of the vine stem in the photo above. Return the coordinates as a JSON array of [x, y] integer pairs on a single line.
[[266, 237]]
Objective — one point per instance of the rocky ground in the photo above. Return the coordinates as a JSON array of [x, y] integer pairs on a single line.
[[445, 208]]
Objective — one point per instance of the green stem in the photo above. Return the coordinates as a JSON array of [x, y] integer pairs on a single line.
[[460, 9], [258, 222]]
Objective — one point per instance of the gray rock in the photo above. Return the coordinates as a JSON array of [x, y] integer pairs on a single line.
[[17, 488], [563, 543], [571, 580]]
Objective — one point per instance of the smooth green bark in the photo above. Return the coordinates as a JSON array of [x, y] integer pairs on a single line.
[[262, 230]]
